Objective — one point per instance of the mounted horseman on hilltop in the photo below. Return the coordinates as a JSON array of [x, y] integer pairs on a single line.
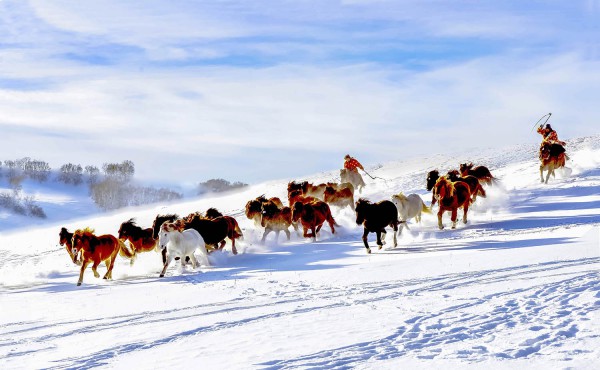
[[552, 151], [350, 173]]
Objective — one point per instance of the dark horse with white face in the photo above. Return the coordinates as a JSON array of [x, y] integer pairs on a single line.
[[375, 217]]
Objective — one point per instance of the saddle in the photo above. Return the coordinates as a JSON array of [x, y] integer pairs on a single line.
[[551, 150]]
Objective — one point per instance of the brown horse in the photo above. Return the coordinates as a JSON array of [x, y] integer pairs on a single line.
[[215, 231], [65, 239], [95, 249], [342, 197], [307, 189], [297, 196], [552, 156], [375, 217], [254, 207], [276, 219], [312, 216], [474, 186], [159, 220], [482, 173], [452, 196], [141, 240]]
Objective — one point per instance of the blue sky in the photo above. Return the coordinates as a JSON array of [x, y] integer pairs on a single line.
[[251, 91]]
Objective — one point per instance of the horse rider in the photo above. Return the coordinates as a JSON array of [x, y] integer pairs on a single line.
[[352, 164], [549, 135]]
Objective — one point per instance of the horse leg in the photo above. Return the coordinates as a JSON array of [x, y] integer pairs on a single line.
[[233, 248], [395, 228], [194, 260], [287, 233], [267, 231], [318, 228], [542, 172], [454, 217], [277, 235], [94, 267], [440, 213], [465, 210], [169, 259], [305, 229], [108, 274], [84, 265], [380, 243], [222, 245], [364, 238]]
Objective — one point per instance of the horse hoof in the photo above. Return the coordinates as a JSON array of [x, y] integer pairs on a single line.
[[78, 284], [161, 275], [368, 251], [381, 246]]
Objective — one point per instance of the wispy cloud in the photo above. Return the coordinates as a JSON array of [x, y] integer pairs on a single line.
[[257, 90]]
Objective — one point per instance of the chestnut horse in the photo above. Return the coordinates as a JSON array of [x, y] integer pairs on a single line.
[[474, 186], [482, 173], [254, 207], [552, 156], [274, 218], [341, 197], [312, 216], [95, 249], [141, 240], [451, 196], [375, 217], [307, 189]]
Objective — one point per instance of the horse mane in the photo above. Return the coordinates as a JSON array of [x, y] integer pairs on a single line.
[[363, 201], [446, 185], [212, 213], [86, 229], [400, 196]]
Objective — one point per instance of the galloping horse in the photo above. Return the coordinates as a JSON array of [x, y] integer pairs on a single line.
[[254, 207], [276, 219], [552, 156], [215, 231], [312, 216], [95, 249], [159, 220], [141, 240], [451, 196], [307, 189], [474, 186], [482, 173], [352, 177], [375, 217], [410, 206], [339, 197], [432, 177], [176, 244]]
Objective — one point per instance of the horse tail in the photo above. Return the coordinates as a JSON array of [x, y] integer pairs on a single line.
[[124, 251], [239, 231], [424, 208]]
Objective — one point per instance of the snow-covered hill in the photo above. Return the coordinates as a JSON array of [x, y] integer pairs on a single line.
[[519, 285]]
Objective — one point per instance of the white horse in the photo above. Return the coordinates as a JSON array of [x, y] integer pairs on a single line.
[[409, 207], [180, 244], [352, 177]]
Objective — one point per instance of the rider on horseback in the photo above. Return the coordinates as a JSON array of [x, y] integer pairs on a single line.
[[549, 135], [352, 164]]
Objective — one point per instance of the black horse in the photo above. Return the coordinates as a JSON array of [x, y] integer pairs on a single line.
[[375, 217], [432, 177]]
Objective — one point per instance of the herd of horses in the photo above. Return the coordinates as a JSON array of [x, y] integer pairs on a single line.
[[308, 207]]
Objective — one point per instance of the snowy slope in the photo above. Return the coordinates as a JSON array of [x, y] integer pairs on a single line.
[[519, 285]]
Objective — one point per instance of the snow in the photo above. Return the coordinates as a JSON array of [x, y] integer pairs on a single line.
[[519, 285]]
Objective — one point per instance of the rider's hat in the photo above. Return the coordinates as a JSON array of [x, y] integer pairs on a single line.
[[548, 126]]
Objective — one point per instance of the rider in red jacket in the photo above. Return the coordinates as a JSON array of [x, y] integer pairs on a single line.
[[549, 135], [352, 164]]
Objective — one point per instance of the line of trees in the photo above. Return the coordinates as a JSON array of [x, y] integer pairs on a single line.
[[110, 187]]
